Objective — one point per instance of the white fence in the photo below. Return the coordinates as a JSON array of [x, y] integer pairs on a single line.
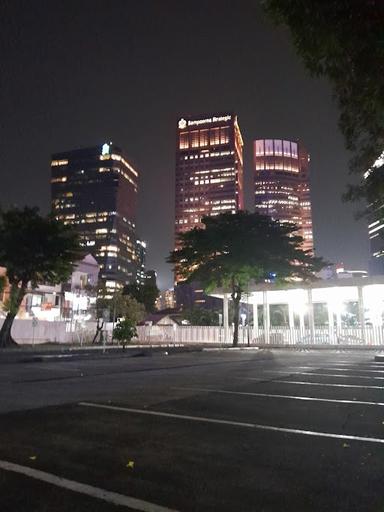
[[275, 336], [28, 332], [37, 332]]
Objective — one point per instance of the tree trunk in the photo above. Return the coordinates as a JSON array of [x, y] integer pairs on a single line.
[[236, 310], [236, 297], [16, 298], [99, 329], [6, 339]]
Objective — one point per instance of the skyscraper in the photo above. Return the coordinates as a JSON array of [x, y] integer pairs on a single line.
[[209, 168], [281, 184], [376, 226], [95, 190], [209, 179]]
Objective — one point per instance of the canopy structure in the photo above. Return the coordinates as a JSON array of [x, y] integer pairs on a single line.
[[300, 301]]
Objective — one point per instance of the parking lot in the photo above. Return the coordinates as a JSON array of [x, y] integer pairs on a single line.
[[201, 431]]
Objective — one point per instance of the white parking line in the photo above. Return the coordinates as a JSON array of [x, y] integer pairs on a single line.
[[255, 426], [94, 492], [322, 384], [339, 369], [288, 372], [290, 397]]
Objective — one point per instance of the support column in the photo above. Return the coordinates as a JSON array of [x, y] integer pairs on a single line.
[[266, 321], [311, 319], [330, 322], [255, 321], [291, 320], [302, 323], [361, 313], [225, 318]]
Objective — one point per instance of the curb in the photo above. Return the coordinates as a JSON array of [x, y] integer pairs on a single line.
[[132, 351]]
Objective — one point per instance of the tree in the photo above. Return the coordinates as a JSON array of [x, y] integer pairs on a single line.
[[120, 306], [201, 316], [124, 331], [343, 40], [146, 294], [35, 250], [235, 249]]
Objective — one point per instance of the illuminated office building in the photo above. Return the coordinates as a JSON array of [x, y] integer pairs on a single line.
[[376, 226], [209, 169], [209, 178], [95, 190], [281, 184]]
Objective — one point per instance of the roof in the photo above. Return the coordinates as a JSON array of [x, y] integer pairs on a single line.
[[164, 318]]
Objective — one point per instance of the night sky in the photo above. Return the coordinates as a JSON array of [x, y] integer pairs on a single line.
[[75, 74]]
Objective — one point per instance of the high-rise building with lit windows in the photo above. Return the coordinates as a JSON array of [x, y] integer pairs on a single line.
[[209, 178], [281, 184], [209, 168], [95, 190], [376, 225]]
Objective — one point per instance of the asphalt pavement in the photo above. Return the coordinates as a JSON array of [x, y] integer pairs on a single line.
[[223, 431]]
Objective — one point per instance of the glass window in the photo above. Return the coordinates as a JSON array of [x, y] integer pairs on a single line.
[[224, 135], [195, 139], [287, 148], [204, 138], [259, 147], [269, 147], [278, 147], [184, 143], [214, 138]]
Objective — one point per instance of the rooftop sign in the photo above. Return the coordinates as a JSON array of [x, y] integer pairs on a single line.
[[196, 122]]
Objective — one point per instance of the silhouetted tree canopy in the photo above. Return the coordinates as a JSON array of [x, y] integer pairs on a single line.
[[343, 40], [234, 250], [36, 250]]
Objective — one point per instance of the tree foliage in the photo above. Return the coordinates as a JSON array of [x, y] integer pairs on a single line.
[[201, 316], [2, 283], [343, 40], [146, 294], [120, 306], [34, 249], [124, 331], [233, 250]]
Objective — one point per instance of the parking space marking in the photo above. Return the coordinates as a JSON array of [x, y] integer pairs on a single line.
[[339, 369], [290, 397], [95, 492], [288, 372], [260, 381], [255, 426]]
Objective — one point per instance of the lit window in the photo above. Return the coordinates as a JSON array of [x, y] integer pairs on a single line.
[[184, 142], [203, 139], [54, 163], [214, 138], [59, 180], [195, 139]]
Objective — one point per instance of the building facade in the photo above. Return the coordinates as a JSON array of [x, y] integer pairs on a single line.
[[281, 184], [166, 300], [209, 177], [209, 169], [74, 300], [376, 226], [141, 253], [95, 190]]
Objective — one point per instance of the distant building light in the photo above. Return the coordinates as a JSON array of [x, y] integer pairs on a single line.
[[59, 162], [105, 149]]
